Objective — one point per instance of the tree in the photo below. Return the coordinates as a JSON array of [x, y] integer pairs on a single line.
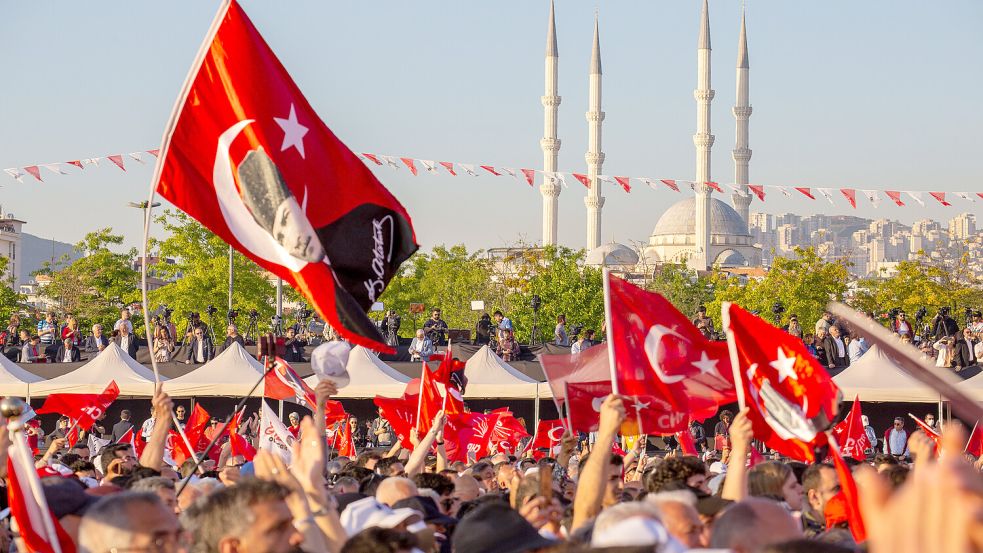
[[97, 285], [685, 288], [803, 285], [9, 298], [200, 275]]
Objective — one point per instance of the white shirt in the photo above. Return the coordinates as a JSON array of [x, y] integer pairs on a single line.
[[897, 442], [840, 350], [121, 322], [856, 350], [147, 428], [68, 355], [124, 342], [200, 351], [903, 328], [972, 350]]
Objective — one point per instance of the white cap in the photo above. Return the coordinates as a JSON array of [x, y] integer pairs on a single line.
[[329, 361], [717, 467], [368, 513], [637, 531]]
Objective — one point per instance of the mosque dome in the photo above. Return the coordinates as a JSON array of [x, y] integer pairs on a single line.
[[680, 219], [611, 254]]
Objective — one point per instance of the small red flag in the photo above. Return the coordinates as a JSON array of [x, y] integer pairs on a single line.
[[715, 186], [686, 443], [249, 158], [449, 166], [401, 414], [491, 170], [758, 190], [940, 196], [133, 437], [791, 397], [34, 172], [851, 196], [84, 408], [239, 445], [372, 157], [468, 436], [117, 161], [34, 523], [755, 457], [849, 488], [625, 183], [154, 153], [548, 434], [345, 444], [195, 427], [929, 431], [806, 192], [851, 435], [671, 184], [896, 196], [429, 401], [584, 179], [975, 444], [508, 431], [530, 175], [77, 163], [283, 383], [409, 162]]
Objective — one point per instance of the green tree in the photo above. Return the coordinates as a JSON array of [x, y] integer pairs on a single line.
[[10, 300], [97, 285], [200, 274], [685, 288], [803, 284]]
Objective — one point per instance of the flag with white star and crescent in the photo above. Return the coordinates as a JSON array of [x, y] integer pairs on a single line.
[[791, 397], [659, 353], [246, 155]]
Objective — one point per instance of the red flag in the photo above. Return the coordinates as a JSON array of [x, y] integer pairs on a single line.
[[84, 408], [661, 358], [284, 383], [248, 157], [409, 162], [195, 427], [77, 163], [34, 171], [453, 401], [715, 186], [468, 436], [176, 447], [73, 434], [625, 183], [806, 192], [686, 443], [940, 196], [530, 175], [117, 161], [548, 435], [401, 414], [372, 157], [345, 444], [584, 180], [584, 401], [671, 184], [449, 166], [238, 445], [508, 431], [850, 195], [792, 398], [758, 190], [851, 435], [135, 439], [491, 170], [39, 530], [896, 196], [429, 401], [755, 458], [929, 431], [975, 444], [849, 488]]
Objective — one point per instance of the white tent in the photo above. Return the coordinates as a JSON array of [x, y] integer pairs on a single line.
[[113, 364], [973, 387], [369, 377], [15, 381], [232, 374], [490, 377], [875, 377]]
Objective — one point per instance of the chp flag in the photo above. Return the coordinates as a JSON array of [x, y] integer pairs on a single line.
[[247, 156], [273, 434], [791, 397]]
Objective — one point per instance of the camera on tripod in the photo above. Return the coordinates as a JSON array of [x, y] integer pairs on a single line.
[[777, 309], [536, 302], [575, 331], [194, 317], [305, 312], [211, 310], [232, 314]]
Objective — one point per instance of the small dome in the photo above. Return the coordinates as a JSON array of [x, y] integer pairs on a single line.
[[730, 258], [611, 254], [679, 219]]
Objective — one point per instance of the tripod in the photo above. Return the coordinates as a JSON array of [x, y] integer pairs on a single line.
[[534, 335], [251, 328]]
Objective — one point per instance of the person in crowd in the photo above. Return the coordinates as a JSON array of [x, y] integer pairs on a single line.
[[294, 346], [703, 323], [503, 323], [71, 330], [435, 328], [180, 415], [823, 324], [382, 431], [389, 326], [48, 329], [11, 336], [871, 436], [896, 440], [793, 327], [901, 326], [819, 342], [699, 435], [943, 324], [131, 521], [835, 350], [976, 324], [163, 344], [560, 337], [580, 345], [200, 348], [123, 426], [97, 341], [67, 351], [721, 431], [819, 484], [124, 320], [929, 419], [775, 480], [369, 439], [483, 330], [126, 340], [294, 423], [508, 346], [944, 349], [857, 347], [31, 351], [809, 340], [964, 351], [422, 347], [232, 335]]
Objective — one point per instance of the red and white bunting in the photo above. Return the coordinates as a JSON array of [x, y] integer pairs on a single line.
[[917, 196], [34, 172], [469, 169], [827, 193], [807, 192], [137, 157], [449, 166], [511, 172], [758, 190], [54, 168], [561, 178], [895, 196], [530, 175], [390, 161], [15, 174], [430, 166], [671, 184], [966, 197], [584, 179], [940, 196], [873, 197], [850, 195], [491, 170], [117, 160], [77, 163], [408, 161], [625, 183], [372, 158]]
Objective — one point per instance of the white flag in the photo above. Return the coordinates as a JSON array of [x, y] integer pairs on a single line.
[[15, 174], [96, 445], [273, 434], [91, 161], [136, 157], [390, 161], [430, 166], [469, 169], [917, 196], [965, 196], [509, 170], [651, 183], [828, 192], [607, 179], [54, 168], [561, 178], [784, 190], [873, 197]]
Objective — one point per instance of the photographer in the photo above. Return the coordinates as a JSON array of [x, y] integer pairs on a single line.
[[901, 326], [703, 323], [944, 324], [483, 330], [435, 328], [294, 347], [232, 335]]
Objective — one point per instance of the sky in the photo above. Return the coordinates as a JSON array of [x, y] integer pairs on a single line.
[[879, 94]]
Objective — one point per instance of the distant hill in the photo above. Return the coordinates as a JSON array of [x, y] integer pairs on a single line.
[[36, 250]]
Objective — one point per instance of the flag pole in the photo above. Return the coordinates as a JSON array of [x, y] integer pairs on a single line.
[[732, 349], [159, 168], [607, 324], [419, 395], [184, 438], [566, 405]]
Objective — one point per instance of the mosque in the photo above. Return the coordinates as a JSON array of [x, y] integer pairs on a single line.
[[700, 231]]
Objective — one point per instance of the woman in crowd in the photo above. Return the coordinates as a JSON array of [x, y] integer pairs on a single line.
[[163, 344]]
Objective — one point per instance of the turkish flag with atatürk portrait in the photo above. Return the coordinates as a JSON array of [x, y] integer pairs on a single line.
[[247, 156]]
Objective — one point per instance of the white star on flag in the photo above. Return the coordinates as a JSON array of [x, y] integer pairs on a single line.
[[707, 365], [785, 366], [293, 132], [639, 404]]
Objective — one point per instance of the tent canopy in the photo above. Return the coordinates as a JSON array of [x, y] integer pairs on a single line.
[[490, 377], [875, 377], [15, 381], [369, 377], [232, 374], [113, 364]]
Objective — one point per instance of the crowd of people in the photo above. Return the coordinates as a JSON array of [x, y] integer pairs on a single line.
[[581, 495]]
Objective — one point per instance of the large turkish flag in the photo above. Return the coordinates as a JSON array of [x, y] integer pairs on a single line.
[[248, 157]]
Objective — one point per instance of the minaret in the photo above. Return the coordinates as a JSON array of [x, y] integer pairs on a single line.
[[703, 141], [595, 157], [550, 188], [742, 112]]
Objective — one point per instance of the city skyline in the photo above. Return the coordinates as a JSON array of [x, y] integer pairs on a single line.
[[648, 101]]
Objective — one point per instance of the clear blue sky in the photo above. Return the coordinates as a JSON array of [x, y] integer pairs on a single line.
[[879, 94]]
